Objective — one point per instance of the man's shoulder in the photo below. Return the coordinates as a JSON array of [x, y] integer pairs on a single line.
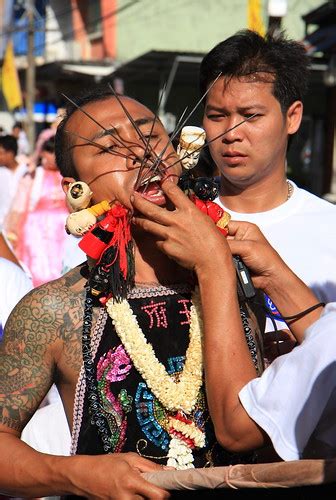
[[60, 294], [314, 202], [71, 284], [51, 311]]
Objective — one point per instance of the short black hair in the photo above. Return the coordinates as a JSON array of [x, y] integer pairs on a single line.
[[49, 145], [63, 141], [9, 143], [247, 53]]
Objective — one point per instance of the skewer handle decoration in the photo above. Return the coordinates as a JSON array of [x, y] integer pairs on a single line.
[[191, 140]]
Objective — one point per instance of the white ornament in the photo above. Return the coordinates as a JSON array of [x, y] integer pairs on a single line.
[[191, 141], [78, 195]]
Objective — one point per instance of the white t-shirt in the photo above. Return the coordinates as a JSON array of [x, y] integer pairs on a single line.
[[294, 400], [14, 285], [9, 181], [303, 232], [48, 430], [73, 255]]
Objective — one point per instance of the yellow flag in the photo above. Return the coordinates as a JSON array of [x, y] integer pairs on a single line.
[[255, 20], [10, 83]]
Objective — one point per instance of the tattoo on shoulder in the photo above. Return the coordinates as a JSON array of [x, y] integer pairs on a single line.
[[44, 326]]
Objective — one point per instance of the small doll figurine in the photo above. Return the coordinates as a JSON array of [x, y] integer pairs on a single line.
[[82, 217], [191, 141], [79, 195], [79, 223]]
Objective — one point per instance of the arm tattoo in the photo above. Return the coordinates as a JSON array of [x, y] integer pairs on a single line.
[[43, 327]]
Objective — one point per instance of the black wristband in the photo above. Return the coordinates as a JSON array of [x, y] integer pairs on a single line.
[[301, 314]]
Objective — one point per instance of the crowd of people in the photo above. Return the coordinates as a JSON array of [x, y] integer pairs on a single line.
[[159, 356], [32, 205]]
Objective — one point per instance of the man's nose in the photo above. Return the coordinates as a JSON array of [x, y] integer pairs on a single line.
[[135, 157], [233, 131]]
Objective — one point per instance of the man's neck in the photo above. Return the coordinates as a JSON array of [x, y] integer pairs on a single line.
[[153, 266], [259, 197], [12, 166]]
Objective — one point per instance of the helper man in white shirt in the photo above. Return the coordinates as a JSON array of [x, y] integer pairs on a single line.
[[266, 79]]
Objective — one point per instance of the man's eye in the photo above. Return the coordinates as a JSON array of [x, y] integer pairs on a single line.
[[251, 116], [107, 149], [151, 136], [216, 116]]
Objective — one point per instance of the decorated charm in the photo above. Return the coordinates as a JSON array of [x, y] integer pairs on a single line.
[[109, 244], [191, 141], [204, 188], [78, 195], [79, 223], [217, 214]]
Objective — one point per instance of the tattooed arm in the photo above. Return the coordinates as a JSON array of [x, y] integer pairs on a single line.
[[42, 342]]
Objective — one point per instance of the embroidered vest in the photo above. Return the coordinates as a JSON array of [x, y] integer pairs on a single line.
[[134, 418]]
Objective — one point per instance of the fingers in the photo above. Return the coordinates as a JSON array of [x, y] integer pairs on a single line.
[[175, 194], [137, 487], [150, 210], [149, 226], [149, 490], [137, 484], [242, 230], [143, 464]]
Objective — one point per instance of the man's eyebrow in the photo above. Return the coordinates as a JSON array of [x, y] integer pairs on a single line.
[[114, 131], [241, 109]]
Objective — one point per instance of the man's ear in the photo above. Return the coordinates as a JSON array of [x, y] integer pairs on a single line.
[[66, 181], [294, 117]]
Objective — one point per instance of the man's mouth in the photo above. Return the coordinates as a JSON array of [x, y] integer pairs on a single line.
[[150, 189], [233, 157]]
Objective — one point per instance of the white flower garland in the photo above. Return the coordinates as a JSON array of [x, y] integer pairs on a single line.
[[180, 455], [174, 395]]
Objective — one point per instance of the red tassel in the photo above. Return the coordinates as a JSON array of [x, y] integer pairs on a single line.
[[109, 242], [120, 239]]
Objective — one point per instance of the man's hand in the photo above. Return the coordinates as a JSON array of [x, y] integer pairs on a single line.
[[115, 476], [184, 234], [277, 343], [265, 264]]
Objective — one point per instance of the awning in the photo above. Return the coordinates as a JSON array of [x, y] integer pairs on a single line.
[[88, 69], [158, 65], [69, 70]]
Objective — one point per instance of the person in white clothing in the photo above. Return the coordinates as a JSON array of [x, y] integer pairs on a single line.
[[264, 80], [292, 404], [15, 283], [294, 401], [11, 171], [23, 143], [48, 430]]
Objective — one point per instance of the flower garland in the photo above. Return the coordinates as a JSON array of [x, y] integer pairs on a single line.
[[175, 396]]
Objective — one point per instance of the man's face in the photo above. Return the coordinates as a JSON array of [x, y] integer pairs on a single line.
[[113, 175], [48, 160], [256, 149], [16, 132], [6, 157]]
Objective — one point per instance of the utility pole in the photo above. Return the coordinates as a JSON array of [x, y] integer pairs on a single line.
[[30, 75]]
